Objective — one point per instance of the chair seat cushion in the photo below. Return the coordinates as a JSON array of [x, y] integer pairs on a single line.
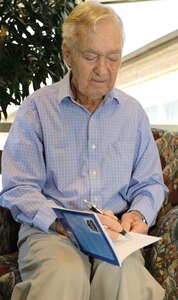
[[9, 275], [8, 263], [7, 284]]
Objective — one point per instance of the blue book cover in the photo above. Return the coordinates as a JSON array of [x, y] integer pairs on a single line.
[[87, 233]]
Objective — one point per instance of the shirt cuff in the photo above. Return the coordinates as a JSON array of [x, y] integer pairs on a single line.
[[44, 218]]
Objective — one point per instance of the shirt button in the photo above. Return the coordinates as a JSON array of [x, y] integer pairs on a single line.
[[94, 173], [93, 146], [95, 199]]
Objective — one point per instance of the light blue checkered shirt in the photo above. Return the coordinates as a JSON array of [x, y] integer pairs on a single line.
[[56, 150]]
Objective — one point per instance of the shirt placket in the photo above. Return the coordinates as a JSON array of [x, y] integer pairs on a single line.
[[93, 151]]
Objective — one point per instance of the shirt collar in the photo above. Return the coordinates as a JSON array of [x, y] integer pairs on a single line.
[[112, 95], [64, 88], [65, 91]]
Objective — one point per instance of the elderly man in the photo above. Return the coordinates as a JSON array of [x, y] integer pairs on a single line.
[[81, 139]]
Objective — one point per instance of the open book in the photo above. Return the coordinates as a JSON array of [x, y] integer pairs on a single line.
[[88, 234]]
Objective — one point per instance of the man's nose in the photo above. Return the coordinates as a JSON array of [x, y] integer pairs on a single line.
[[101, 66]]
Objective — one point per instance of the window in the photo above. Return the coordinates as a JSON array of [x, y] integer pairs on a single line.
[[150, 66]]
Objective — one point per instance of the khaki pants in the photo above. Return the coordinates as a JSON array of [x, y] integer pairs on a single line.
[[52, 268]]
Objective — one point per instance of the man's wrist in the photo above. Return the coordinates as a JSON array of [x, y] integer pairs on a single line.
[[139, 214]]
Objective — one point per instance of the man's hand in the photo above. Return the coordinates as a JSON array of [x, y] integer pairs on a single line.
[[132, 221], [111, 224], [59, 228]]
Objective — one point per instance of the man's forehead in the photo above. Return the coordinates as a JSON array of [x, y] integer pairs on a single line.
[[98, 41]]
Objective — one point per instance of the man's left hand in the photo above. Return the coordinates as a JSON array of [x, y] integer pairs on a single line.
[[132, 221]]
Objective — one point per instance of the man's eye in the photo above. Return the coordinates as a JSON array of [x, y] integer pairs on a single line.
[[91, 57], [113, 57]]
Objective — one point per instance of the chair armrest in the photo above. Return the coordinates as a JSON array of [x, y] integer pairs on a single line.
[[8, 232], [164, 255]]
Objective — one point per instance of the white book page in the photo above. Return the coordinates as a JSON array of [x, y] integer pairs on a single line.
[[125, 246]]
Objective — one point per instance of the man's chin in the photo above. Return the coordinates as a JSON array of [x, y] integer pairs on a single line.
[[99, 93]]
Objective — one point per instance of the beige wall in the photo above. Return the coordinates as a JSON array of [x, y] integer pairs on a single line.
[[153, 60]]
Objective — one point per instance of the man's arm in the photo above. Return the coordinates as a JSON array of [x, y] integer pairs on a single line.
[[24, 171], [146, 191]]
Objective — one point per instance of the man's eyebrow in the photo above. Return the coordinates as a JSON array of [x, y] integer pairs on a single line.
[[98, 53], [89, 51], [115, 52]]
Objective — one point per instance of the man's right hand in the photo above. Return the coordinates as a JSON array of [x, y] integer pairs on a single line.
[[111, 224], [58, 227]]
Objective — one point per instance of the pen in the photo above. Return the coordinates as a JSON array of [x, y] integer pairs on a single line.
[[97, 210]]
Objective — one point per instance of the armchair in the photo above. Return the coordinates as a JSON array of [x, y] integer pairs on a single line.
[[161, 258]]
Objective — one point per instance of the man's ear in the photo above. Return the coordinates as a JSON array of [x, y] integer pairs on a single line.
[[67, 54]]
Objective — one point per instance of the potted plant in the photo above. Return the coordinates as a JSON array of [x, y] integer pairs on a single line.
[[30, 46]]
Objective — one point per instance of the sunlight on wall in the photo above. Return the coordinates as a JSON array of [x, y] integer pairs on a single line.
[[159, 97], [145, 22]]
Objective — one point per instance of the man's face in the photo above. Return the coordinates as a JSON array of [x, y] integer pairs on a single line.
[[95, 59]]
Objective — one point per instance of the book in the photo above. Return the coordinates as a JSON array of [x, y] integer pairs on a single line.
[[89, 235]]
